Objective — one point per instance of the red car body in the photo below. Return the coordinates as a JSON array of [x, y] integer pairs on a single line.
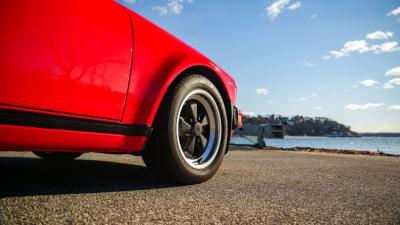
[[89, 76]]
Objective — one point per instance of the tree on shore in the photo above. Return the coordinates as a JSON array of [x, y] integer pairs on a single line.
[[304, 126]]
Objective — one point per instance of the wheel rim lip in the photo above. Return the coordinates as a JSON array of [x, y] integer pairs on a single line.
[[214, 140]]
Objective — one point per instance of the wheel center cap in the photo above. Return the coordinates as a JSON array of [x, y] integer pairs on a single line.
[[197, 129]]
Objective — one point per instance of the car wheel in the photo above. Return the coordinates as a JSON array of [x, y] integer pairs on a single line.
[[190, 133], [58, 156]]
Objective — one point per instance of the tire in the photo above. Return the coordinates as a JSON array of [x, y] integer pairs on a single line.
[[184, 150], [58, 156]]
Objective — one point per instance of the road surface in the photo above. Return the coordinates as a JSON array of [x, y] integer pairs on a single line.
[[251, 187]]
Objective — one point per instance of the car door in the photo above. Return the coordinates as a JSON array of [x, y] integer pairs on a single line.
[[72, 57]]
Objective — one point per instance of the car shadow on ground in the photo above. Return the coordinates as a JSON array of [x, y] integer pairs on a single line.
[[24, 176]]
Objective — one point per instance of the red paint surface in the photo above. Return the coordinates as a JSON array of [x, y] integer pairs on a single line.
[[65, 56], [75, 58], [30, 138]]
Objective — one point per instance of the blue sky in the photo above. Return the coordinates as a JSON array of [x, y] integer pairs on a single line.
[[339, 59]]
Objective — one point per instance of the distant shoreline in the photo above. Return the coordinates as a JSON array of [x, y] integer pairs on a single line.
[[360, 135], [379, 134], [308, 149]]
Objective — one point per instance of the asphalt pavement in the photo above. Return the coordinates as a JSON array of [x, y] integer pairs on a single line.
[[251, 187]]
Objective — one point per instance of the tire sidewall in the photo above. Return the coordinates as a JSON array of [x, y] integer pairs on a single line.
[[197, 83]]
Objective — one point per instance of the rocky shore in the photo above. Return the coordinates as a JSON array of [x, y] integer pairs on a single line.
[[308, 149]]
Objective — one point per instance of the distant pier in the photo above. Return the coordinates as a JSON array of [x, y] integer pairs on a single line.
[[260, 132]]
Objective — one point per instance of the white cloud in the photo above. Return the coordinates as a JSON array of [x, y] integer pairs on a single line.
[[308, 64], [262, 91], [377, 35], [355, 46], [336, 54], [162, 10], [313, 16], [278, 6], [369, 83], [392, 83], [302, 99], [318, 108], [172, 7], [394, 108], [250, 114], [294, 6], [175, 6], [326, 57], [394, 12], [393, 72], [361, 46], [313, 95], [368, 106], [385, 47]]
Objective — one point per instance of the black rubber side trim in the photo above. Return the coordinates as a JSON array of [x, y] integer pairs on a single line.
[[235, 117], [233, 123], [30, 119]]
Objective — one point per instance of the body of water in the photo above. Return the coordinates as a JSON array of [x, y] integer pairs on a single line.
[[385, 144]]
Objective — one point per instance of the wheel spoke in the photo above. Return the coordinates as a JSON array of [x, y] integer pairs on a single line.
[[204, 122], [203, 141], [190, 147], [193, 108], [184, 127], [199, 130]]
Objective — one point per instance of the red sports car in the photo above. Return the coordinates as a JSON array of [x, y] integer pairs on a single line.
[[93, 76]]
